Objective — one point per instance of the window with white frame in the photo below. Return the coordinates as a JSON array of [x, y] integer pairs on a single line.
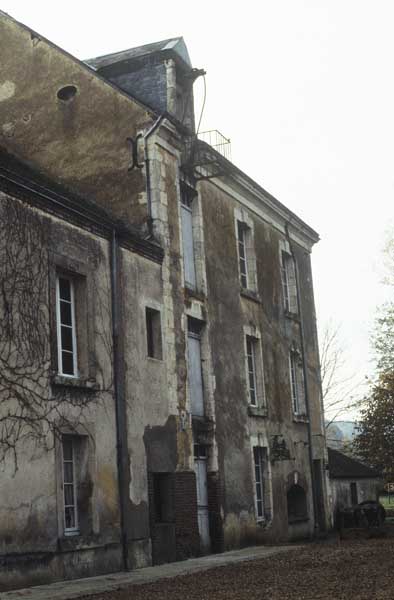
[[246, 251], [259, 481], [188, 196], [262, 480], [289, 283], [297, 385], [70, 485], [254, 368], [251, 365], [243, 265], [194, 367], [66, 326]]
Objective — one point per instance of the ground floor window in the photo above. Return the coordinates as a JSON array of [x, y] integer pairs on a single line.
[[70, 485], [262, 484]]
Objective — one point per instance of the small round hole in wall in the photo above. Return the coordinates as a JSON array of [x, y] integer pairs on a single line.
[[67, 93]]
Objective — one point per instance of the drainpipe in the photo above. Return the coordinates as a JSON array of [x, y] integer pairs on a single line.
[[302, 336], [121, 439], [148, 177]]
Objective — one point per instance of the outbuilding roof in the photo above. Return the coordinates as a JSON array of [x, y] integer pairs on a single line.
[[342, 466]]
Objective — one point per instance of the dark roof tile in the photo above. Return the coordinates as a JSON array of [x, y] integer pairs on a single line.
[[343, 466]]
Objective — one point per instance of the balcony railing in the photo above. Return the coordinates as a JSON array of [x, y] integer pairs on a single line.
[[200, 161], [217, 140]]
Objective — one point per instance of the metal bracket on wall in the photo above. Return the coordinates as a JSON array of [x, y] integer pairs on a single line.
[[134, 152]]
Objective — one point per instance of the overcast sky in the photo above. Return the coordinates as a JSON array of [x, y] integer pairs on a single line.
[[305, 91]]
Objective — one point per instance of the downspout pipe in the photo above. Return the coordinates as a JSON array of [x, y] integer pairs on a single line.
[[121, 441], [307, 405], [147, 135]]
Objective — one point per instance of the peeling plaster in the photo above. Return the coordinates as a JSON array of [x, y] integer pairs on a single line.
[[7, 90]]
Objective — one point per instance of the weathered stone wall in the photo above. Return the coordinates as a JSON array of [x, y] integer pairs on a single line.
[[367, 489], [80, 142], [236, 430], [33, 548]]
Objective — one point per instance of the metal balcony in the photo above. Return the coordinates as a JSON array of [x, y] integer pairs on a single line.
[[202, 155]]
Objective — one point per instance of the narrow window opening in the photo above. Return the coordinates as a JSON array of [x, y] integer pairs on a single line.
[[69, 486], [243, 266], [289, 283], [188, 195], [259, 480], [293, 382], [251, 362], [66, 327], [153, 333], [297, 382]]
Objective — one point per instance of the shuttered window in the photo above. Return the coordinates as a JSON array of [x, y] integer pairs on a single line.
[[188, 240], [289, 283]]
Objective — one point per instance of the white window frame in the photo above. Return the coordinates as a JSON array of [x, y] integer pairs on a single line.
[[70, 530], [246, 252], [253, 336], [289, 282], [251, 369], [72, 327], [293, 383], [242, 254], [297, 382], [259, 482]]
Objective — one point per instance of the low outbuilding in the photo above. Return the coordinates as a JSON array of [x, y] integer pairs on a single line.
[[351, 481]]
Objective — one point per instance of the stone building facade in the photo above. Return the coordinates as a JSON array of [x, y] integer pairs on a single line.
[[179, 316]]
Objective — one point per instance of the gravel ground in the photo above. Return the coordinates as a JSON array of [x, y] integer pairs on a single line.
[[359, 570]]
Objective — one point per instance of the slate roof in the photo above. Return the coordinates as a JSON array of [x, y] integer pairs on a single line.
[[174, 45], [342, 466]]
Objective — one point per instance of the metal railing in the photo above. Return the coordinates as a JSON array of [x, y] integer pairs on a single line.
[[215, 139]]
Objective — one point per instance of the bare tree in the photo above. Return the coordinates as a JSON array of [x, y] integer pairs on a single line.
[[30, 409], [342, 389]]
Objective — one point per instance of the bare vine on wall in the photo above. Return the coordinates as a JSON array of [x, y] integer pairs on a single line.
[[30, 410]]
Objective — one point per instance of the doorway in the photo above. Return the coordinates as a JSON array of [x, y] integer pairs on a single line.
[[200, 468]]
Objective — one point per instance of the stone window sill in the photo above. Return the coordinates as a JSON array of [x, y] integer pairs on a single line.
[[292, 315], [300, 419], [264, 522], [250, 295], [257, 411], [195, 294], [75, 382]]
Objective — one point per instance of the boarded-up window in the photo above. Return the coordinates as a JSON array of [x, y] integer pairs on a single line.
[[187, 199], [195, 379]]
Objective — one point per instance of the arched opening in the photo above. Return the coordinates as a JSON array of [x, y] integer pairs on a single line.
[[297, 509]]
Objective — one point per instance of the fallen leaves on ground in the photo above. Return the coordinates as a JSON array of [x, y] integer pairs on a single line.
[[362, 570]]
